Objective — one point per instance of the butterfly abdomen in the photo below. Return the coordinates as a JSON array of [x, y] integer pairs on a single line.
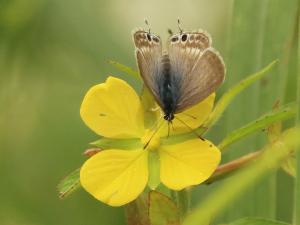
[[168, 88]]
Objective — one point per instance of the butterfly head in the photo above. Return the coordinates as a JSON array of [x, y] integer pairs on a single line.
[[169, 117]]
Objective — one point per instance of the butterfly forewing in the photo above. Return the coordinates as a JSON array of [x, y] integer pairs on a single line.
[[195, 66], [148, 55]]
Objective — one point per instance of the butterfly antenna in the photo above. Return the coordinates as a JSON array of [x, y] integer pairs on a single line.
[[191, 129], [155, 132], [170, 32], [148, 25], [179, 26]]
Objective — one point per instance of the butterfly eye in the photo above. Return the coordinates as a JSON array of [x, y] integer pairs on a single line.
[[184, 37], [149, 37]]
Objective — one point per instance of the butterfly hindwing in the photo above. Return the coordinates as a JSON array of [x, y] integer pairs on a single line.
[[196, 66], [148, 54]]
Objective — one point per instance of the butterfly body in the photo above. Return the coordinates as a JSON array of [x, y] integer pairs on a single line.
[[188, 72], [168, 89]]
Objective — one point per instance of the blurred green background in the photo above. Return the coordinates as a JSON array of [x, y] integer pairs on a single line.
[[53, 51]]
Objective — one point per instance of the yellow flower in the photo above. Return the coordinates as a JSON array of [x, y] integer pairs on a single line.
[[117, 176]]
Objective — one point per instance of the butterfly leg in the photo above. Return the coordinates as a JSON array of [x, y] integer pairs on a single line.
[[191, 116], [191, 129]]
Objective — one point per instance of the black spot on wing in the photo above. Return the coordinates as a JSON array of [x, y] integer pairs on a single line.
[[149, 37], [155, 39], [174, 39], [184, 37]]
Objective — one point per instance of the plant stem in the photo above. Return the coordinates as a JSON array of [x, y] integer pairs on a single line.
[[229, 168]]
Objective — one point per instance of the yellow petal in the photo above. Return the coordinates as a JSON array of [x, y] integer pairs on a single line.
[[188, 163], [192, 117], [115, 177], [113, 109]]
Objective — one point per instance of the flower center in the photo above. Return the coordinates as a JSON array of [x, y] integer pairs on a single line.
[[151, 140]]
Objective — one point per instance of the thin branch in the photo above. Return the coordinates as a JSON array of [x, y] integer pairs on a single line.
[[229, 168]]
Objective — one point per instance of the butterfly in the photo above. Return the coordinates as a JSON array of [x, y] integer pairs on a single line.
[[184, 75]]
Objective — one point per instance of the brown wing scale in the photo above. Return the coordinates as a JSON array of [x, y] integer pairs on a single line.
[[148, 54], [196, 65]]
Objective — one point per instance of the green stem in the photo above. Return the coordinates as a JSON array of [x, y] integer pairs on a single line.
[[228, 169], [263, 122]]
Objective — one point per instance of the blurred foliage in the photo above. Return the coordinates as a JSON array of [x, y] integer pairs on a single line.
[[256, 221], [52, 51], [271, 158]]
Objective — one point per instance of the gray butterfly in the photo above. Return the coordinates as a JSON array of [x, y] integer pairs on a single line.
[[188, 72]]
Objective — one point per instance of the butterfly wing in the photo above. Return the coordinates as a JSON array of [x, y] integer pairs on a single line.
[[148, 54], [196, 66]]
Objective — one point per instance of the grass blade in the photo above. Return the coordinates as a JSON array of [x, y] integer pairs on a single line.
[[227, 98], [125, 69], [69, 184], [256, 221], [284, 113]]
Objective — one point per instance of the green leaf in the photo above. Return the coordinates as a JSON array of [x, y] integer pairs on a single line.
[[256, 221], [269, 161], [137, 212], [69, 184], [284, 113], [162, 210], [227, 98], [125, 69], [108, 143]]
